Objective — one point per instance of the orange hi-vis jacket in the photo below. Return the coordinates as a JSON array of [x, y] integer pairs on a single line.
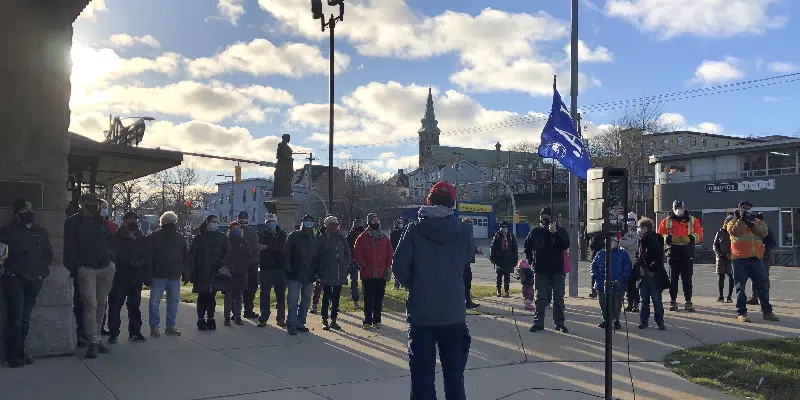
[[747, 242], [681, 228]]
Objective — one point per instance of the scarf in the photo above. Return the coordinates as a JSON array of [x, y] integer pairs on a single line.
[[505, 241], [376, 234]]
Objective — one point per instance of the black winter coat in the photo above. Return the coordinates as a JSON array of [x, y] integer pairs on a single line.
[[132, 254], [545, 251], [207, 255], [29, 251], [351, 240], [650, 259], [272, 257], [335, 259], [395, 237], [302, 257], [504, 260], [168, 255]]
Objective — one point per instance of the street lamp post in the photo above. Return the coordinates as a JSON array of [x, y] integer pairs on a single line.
[[316, 11], [230, 195]]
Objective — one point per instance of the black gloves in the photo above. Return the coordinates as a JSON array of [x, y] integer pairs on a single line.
[[691, 239], [669, 240]]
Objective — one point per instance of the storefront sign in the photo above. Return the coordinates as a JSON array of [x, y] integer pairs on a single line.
[[747, 186], [478, 208]]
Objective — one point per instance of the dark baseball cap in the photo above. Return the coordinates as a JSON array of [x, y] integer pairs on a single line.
[[89, 198]]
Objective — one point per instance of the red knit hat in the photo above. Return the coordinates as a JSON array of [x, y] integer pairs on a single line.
[[444, 188]]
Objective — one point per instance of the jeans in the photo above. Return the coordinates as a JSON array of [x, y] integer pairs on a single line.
[[20, 297], [125, 291], [766, 262], [273, 280], [157, 288], [94, 286], [504, 279], [374, 291], [650, 291], [616, 304], [549, 287], [206, 305], [299, 297], [467, 282], [77, 309], [453, 342], [721, 284], [750, 269], [233, 303], [249, 294], [683, 270], [330, 297], [354, 282]]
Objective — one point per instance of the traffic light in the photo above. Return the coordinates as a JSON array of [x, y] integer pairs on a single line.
[[255, 193], [188, 207], [316, 9], [238, 173], [516, 217]]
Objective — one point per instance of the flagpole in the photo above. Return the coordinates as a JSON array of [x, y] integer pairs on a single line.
[[553, 166], [573, 180]]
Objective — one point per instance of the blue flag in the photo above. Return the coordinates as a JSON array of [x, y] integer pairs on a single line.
[[562, 141]]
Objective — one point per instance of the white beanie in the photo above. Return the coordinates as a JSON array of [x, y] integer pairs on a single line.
[[271, 218], [632, 215]]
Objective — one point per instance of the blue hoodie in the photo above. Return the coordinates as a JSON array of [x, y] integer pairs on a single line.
[[621, 268], [430, 262]]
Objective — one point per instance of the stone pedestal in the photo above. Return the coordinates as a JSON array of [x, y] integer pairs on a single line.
[[287, 212], [35, 40]]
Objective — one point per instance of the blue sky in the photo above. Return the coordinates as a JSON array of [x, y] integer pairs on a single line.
[[230, 76]]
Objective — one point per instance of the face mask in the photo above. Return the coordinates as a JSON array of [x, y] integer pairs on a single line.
[[212, 226], [679, 212], [272, 225], [375, 227], [504, 230], [132, 226], [104, 212], [242, 222], [25, 218], [236, 233], [308, 224], [545, 221]]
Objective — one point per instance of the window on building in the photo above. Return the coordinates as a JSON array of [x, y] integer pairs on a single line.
[[703, 142], [244, 196], [221, 197], [680, 140], [692, 141], [782, 162], [787, 225], [716, 142], [665, 144], [755, 164], [652, 146], [728, 143]]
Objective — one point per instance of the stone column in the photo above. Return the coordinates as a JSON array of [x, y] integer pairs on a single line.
[[35, 42], [287, 210]]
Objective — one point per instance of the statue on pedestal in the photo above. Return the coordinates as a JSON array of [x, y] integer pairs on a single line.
[[284, 169]]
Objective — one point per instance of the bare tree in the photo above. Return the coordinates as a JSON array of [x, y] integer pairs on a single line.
[[169, 190], [525, 161], [127, 194]]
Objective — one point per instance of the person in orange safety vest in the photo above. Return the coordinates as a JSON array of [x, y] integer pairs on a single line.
[[681, 232]]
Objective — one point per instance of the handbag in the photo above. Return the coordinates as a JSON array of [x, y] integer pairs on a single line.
[[567, 264]]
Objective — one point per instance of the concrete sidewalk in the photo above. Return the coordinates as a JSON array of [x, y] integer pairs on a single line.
[[246, 362]]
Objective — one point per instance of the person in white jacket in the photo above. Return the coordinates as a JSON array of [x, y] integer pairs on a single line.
[[630, 243]]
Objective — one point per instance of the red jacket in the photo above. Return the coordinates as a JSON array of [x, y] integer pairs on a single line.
[[112, 226], [374, 256]]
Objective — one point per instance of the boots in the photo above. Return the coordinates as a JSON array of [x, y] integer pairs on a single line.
[[673, 305], [688, 306], [201, 324], [211, 323], [753, 301], [499, 294]]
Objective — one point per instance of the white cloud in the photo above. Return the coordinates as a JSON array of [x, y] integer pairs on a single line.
[[261, 58], [498, 50], [705, 18], [586, 54], [89, 13], [717, 72], [211, 102], [230, 10], [681, 123], [318, 115], [773, 99], [783, 67], [125, 40]]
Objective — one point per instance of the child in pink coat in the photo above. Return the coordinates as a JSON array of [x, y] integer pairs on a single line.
[[525, 275]]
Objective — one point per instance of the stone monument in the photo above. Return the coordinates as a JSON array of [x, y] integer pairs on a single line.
[[34, 114], [286, 205]]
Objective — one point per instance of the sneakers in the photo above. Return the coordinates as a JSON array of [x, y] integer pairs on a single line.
[[602, 325], [227, 322], [238, 321], [325, 326], [137, 337], [172, 331], [91, 351], [251, 315], [689, 306], [498, 293], [643, 326], [472, 305], [377, 326], [302, 329], [562, 329], [771, 317], [617, 325], [356, 306], [112, 339], [661, 326], [103, 349], [536, 328], [506, 295], [530, 307], [281, 324], [593, 295], [729, 300], [367, 326], [753, 301], [292, 331], [720, 299], [743, 318], [262, 324], [201, 325], [335, 326], [211, 323], [673, 306], [155, 332]]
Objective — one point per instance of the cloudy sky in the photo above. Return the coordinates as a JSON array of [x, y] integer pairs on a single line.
[[229, 77]]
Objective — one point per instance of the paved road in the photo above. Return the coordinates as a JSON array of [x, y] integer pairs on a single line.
[[785, 281]]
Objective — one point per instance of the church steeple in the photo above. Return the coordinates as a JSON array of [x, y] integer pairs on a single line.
[[428, 134]]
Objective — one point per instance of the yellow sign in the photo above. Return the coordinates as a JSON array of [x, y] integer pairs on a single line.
[[516, 218], [480, 208]]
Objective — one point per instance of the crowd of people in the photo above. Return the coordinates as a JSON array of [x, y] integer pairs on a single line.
[[429, 257]]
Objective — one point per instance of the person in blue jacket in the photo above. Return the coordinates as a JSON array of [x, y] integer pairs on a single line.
[[621, 268], [429, 262]]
